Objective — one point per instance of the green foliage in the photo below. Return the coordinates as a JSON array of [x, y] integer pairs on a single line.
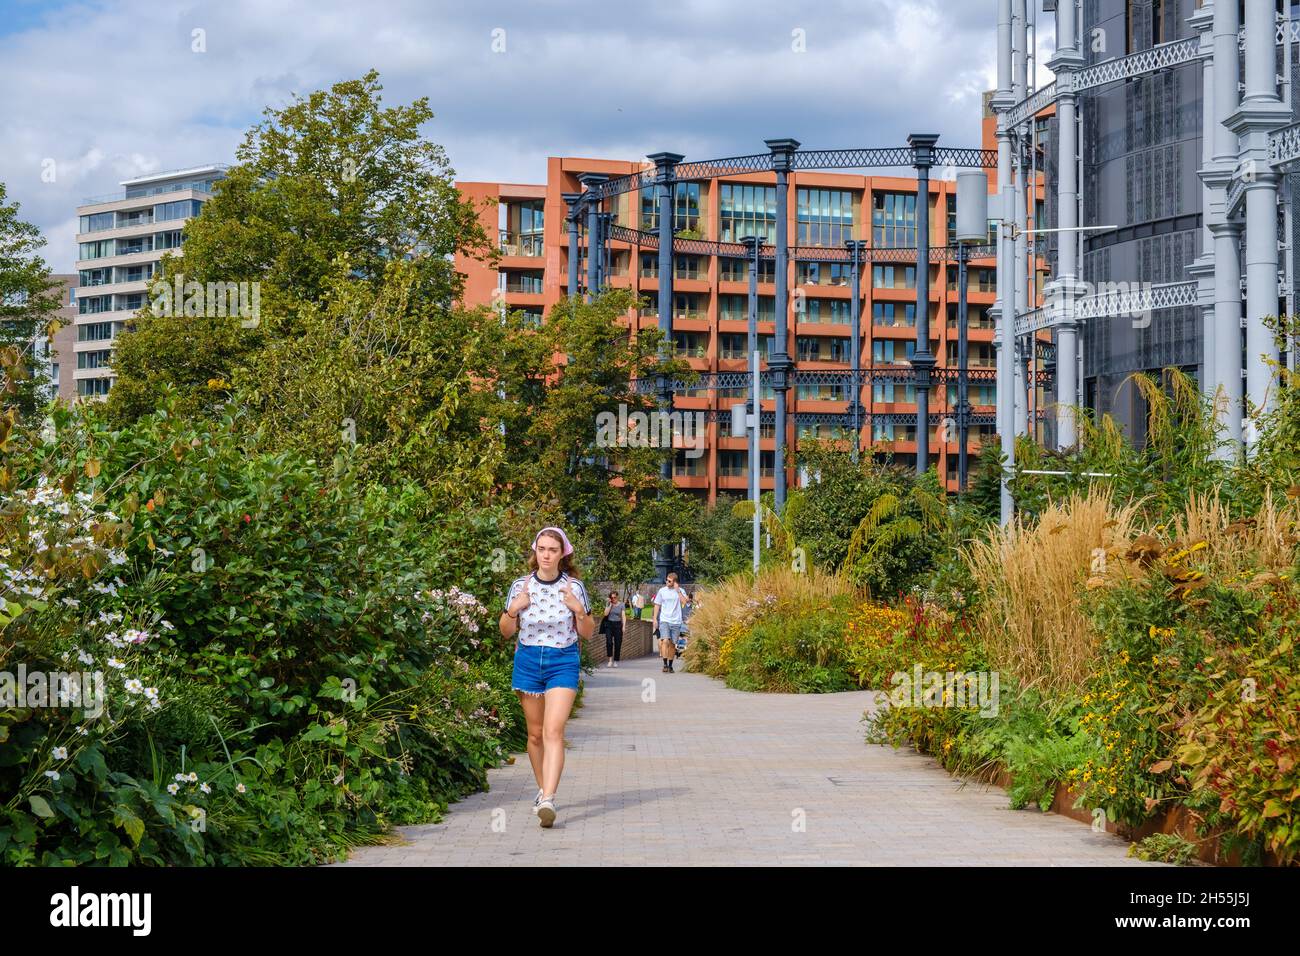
[[719, 542], [1164, 848], [29, 299], [794, 651], [292, 629], [332, 184]]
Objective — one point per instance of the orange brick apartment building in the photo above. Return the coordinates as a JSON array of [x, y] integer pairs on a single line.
[[710, 299]]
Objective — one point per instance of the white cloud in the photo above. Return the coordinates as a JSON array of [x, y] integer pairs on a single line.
[[111, 90]]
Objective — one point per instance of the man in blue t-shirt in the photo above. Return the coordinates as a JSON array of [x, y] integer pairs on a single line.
[[669, 602]]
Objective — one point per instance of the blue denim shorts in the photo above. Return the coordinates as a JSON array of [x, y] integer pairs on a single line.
[[538, 669], [670, 631]]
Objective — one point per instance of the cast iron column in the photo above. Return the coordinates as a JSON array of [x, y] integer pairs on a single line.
[[778, 361], [923, 361], [856, 247], [665, 164]]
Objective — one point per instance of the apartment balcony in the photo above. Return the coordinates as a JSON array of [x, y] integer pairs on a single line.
[[119, 202], [522, 245]]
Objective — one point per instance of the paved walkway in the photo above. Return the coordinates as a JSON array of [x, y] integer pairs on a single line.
[[677, 769]]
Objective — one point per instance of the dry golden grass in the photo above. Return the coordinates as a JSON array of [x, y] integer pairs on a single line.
[[736, 601], [1031, 577], [1264, 542]]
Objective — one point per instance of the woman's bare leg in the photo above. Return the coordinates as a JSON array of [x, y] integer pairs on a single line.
[[559, 704], [534, 706]]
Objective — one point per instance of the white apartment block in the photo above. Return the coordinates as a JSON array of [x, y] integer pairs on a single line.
[[122, 239]]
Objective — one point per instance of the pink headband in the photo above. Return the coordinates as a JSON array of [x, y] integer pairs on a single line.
[[568, 548]]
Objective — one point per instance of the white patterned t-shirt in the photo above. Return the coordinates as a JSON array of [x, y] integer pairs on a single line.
[[547, 621]]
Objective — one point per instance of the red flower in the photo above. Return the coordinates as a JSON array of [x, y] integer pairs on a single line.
[[248, 519]]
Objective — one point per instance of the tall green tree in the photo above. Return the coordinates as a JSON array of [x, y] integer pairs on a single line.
[[335, 181], [29, 301]]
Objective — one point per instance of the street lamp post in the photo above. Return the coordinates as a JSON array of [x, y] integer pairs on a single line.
[[743, 425]]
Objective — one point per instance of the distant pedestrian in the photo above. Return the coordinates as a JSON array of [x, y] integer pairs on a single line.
[[550, 612], [669, 602], [613, 627]]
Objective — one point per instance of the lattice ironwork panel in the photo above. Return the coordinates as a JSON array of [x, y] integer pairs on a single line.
[[966, 157], [1284, 145], [1159, 57], [713, 168], [852, 158], [1028, 108], [623, 184]]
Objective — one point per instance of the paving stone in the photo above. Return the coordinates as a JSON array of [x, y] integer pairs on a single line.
[[705, 775]]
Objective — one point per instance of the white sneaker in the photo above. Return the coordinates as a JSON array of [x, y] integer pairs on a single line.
[[537, 799], [546, 812]]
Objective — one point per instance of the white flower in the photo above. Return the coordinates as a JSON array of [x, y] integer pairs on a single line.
[[134, 686], [114, 662], [151, 693], [181, 777], [166, 625], [204, 787], [240, 788], [173, 787], [85, 657], [60, 753], [52, 774], [155, 704], [71, 602], [192, 777]]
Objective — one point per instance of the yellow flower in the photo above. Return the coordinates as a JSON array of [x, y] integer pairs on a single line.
[[1111, 790]]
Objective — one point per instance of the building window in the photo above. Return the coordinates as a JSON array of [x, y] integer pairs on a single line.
[[94, 331], [825, 273], [747, 211], [735, 345], [894, 314], [737, 270], [98, 249], [824, 392], [893, 220], [892, 352], [686, 208], [828, 311], [893, 392], [96, 222], [93, 277], [95, 304], [521, 281], [893, 277], [93, 386], [823, 348], [99, 359], [825, 216], [168, 240], [691, 344], [736, 308]]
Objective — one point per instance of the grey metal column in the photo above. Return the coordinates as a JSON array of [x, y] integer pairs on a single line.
[[589, 180], [963, 376], [1019, 280], [572, 201], [1004, 306], [778, 361], [856, 247], [1202, 269], [753, 245], [1261, 112], [1227, 269], [1064, 64], [1020, 144], [923, 361], [606, 220], [665, 180]]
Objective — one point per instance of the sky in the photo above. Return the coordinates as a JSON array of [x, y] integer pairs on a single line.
[[97, 91]]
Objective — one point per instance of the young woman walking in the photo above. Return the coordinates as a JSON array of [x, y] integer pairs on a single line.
[[549, 611], [613, 625]]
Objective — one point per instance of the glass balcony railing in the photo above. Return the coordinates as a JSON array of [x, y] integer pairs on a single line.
[[522, 244]]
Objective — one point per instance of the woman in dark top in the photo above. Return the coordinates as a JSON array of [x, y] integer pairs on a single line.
[[613, 627]]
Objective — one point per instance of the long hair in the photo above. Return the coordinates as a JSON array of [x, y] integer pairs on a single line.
[[566, 562]]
